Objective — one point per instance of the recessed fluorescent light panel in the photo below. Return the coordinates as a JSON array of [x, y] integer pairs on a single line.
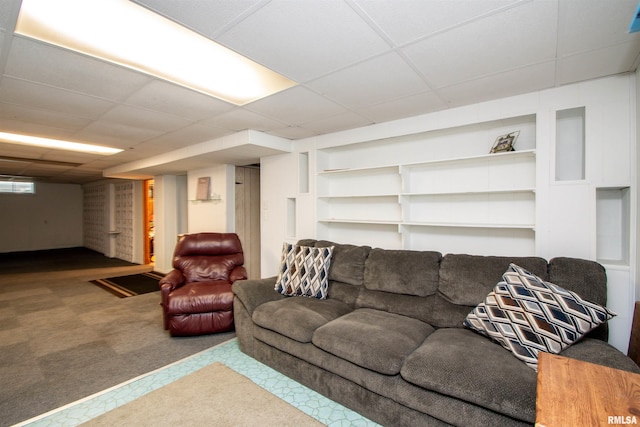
[[57, 144], [127, 34]]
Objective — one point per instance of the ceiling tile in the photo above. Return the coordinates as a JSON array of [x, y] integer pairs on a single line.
[[241, 119], [3, 37], [141, 118], [31, 128], [407, 20], [501, 85], [21, 151], [408, 106], [593, 24], [179, 139], [69, 156], [517, 37], [107, 162], [296, 106], [169, 98], [39, 96], [348, 120], [43, 63], [36, 170], [115, 134], [7, 15], [592, 64], [11, 167], [376, 80], [207, 17], [11, 112], [304, 39]]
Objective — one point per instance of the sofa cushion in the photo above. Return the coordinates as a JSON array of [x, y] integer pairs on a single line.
[[304, 271], [298, 318], [526, 315], [402, 271], [373, 339], [459, 363], [347, 263], [467, 279], [601, 353]]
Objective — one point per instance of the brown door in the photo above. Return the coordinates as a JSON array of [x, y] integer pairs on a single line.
[[248, 216]]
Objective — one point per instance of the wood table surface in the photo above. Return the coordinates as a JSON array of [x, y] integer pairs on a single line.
[[571, 392]]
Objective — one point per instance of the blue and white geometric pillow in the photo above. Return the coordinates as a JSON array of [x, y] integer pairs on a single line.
[[527, 315], [304, 271]]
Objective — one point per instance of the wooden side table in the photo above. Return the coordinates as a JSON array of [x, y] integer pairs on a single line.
[[575, 393]]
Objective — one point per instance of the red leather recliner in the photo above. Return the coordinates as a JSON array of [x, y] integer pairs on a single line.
[[196, 294]]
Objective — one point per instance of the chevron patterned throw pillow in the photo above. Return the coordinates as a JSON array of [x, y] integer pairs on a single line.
[[304, 271], [527, 315]]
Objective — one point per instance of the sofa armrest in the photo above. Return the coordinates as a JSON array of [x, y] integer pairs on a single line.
[[253, 293], [238, 273]]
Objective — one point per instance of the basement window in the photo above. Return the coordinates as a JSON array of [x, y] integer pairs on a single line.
[[17, 187]]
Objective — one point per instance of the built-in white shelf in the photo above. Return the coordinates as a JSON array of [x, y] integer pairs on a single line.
[[470, 225], [377, 169], [613, 225], [360, 221], [432, 184], [349, 196], [487, 191]]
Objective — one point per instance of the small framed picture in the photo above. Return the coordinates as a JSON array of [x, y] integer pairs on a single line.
[[505, 142]]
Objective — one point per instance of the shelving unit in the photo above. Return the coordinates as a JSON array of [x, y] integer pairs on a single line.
[[433, 190], [613, 225]]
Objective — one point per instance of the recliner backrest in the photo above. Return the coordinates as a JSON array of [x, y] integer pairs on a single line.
[[207, 256]]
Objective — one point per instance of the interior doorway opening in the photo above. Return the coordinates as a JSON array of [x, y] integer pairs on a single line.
[[149, 230]]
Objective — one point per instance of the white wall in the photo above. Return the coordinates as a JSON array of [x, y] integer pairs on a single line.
[[565, 223], [49, 219], [217, 214], [636, 178], [168, 201], [177, 211]]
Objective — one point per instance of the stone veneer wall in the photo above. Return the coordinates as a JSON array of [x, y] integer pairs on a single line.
[[123, 206], [94, 217]]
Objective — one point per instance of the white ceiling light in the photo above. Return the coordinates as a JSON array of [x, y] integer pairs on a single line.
[[57, 144], [130, 35]]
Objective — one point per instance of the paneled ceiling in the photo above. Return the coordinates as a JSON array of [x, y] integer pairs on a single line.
[[356, 62]]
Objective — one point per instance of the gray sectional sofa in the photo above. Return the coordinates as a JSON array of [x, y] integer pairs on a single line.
[[389, 340]]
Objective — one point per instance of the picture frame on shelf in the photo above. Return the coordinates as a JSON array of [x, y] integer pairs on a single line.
[[202, 190], [505, 143]]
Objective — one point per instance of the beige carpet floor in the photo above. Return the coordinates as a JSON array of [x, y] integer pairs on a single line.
[[212, 396], [63, 338]]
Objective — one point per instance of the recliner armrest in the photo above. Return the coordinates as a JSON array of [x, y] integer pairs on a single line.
[[174, 279], [238, 273], [254, 293]]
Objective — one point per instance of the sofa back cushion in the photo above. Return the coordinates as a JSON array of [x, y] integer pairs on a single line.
[[401, 281], [347, 263], [587, 279], [467, 279], [402, 271], [346, 274]]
